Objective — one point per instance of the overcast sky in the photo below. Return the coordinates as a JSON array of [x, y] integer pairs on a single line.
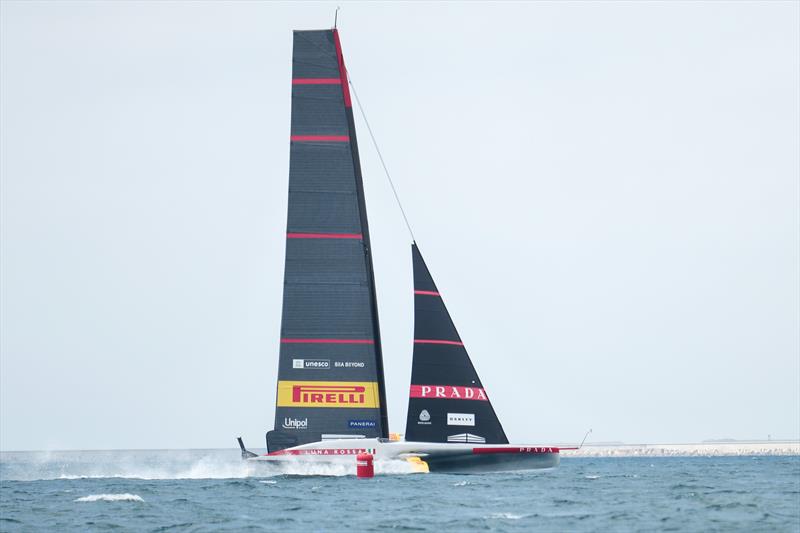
[[607, 195]]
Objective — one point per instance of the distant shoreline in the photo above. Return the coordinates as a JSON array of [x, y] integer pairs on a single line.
[[599, 449], [704, 449]]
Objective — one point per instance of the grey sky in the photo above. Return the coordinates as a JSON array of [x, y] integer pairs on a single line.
[[606, 193]]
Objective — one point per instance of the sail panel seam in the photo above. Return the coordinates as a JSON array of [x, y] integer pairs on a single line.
[[324, 236], [321, 191], [320, 138], [299, 284], [327, 341], [316, 81]]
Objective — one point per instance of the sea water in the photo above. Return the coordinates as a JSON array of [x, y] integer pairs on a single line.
[[215, 491]]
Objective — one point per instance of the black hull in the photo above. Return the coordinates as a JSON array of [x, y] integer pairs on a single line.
[[476, 464]]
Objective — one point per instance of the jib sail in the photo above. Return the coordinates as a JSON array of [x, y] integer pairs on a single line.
[[330, 375], [447, 402]]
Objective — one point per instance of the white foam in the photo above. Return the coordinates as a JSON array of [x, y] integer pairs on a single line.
[[506, 516], [150, 465], [111, 498], [298, 467], [186, 464]]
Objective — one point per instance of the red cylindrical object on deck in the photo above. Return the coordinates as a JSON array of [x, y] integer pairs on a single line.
[[364, 466]]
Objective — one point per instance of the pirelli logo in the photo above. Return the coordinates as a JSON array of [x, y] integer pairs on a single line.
[[328, 394]]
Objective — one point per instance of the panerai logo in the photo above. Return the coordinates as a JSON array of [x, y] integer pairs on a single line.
[[295, 423], [424, 418], [361, 424]]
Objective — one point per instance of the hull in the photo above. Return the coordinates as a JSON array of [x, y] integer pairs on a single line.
[[461, 458], [497, 462]]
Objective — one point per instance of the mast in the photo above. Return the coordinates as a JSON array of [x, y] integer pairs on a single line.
[[362, 209], [330, 375]]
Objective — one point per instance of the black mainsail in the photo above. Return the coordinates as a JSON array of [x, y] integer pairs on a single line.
[[447, 402], [330, 375]]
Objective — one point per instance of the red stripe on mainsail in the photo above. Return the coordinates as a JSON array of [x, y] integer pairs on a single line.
[[434, 341], [427, 293], [323, 236], [320, 138], [327, 341], [521, 449], [316, 81], [342, 70]]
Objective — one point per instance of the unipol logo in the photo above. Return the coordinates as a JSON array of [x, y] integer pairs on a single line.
[[327, 394], [295, 423], [448, 392]]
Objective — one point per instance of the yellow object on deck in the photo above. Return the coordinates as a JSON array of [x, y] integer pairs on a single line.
[[394, 437], [418, 464]]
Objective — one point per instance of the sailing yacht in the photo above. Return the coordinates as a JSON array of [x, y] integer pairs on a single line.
[[331, 396]]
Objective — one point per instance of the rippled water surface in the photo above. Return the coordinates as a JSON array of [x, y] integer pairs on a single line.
[[213, 490]]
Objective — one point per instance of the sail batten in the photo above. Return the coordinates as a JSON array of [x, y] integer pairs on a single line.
[[330, 376]]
